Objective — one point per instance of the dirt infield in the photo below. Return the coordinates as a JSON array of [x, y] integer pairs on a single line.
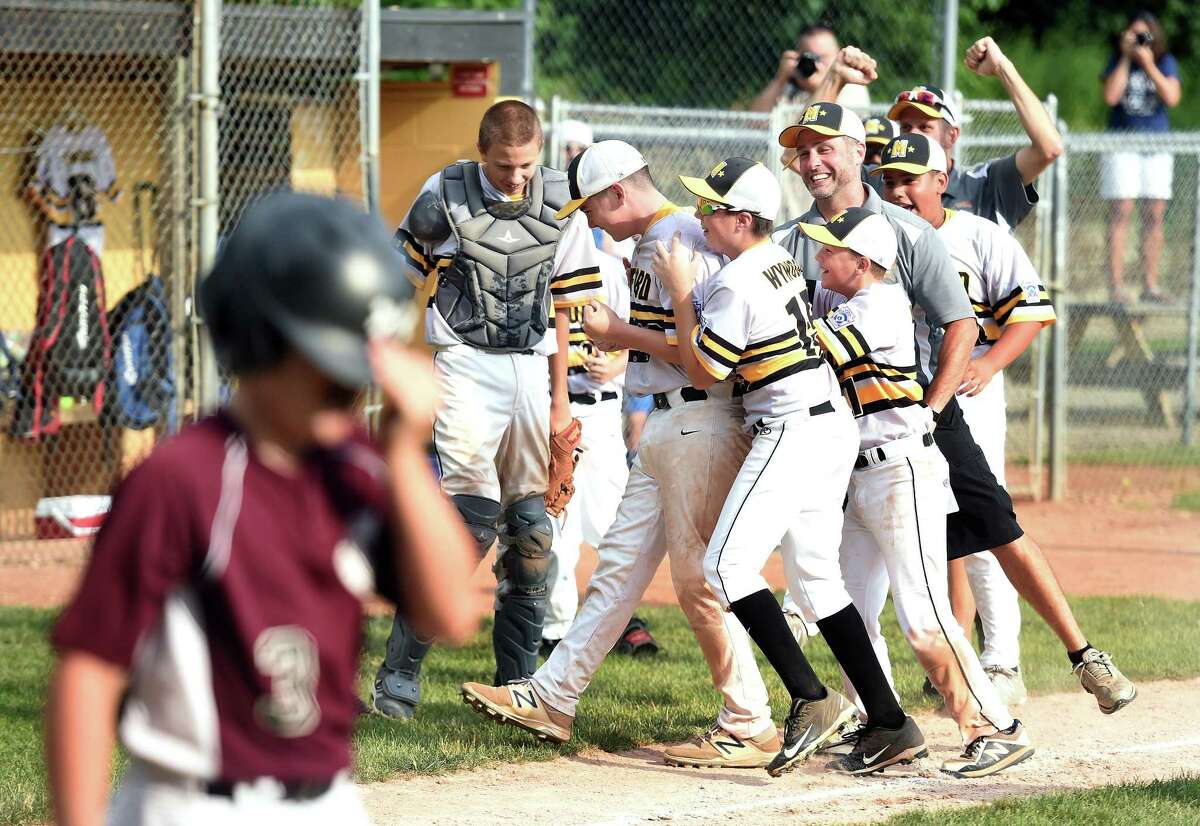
[[1116, 535], [1077, 747]]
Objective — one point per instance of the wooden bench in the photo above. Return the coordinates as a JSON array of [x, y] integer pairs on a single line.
[[1132, 362]]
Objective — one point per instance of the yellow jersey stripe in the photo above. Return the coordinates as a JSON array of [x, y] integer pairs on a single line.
[[716, 369]]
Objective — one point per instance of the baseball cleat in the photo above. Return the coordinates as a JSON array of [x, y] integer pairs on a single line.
[[799, 628], [877, 748], [991, 753], [1008, 684], [809, 724], [719, 749], [843, 742], [1100, 678], [518, 704]]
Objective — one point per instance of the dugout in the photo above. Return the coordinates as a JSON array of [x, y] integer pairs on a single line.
[[291, 80]]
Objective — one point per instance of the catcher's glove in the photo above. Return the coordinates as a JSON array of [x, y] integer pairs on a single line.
[[563, 457], [637, 641]]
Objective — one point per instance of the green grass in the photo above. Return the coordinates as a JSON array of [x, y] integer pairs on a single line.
[[1188, 500], [1167, 455], [631, 703], [1157, 803]]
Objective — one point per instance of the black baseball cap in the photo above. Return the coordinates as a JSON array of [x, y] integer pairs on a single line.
[[859, 230], [827, 119], [914, 153], [880, 130], [739, 184]]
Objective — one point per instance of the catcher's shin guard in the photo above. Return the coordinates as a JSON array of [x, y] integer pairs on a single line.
[[481, 515], [527, 568], [398, 681]]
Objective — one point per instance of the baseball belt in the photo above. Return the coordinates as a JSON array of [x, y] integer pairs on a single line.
[[908, 446], [593, 398]]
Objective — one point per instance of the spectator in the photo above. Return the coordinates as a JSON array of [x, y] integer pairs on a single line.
[[574, 137], [1140, 82], [801, 71]]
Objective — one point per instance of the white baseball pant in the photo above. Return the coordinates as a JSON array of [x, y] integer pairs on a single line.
[[600, 479], [491, 434], [150, 797], [995, 596], [688, 457], [788, 494], [895, 531]]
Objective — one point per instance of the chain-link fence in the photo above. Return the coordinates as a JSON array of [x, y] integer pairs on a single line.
[[708, 53], [1128, 222], [100, 145]]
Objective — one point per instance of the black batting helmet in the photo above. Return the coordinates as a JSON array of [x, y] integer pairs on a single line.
[[314, 273]]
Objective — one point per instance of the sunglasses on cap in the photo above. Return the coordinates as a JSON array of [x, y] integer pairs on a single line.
[[923, 96], [706, 207]]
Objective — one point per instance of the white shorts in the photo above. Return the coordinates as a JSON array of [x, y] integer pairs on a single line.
[[1129, 175]]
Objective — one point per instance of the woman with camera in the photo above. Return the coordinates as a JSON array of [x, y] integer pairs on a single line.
[[1140, 82]]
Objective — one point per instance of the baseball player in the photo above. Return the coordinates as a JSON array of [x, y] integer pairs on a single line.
[[594, 379], [690, 452], [1001, 190], [508, 271], [217, 626], [1011, 305], [825, 148], [754, 320], [879, 131], [895, 526]]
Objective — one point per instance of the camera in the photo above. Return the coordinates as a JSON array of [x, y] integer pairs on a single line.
[[806, 66], [1144, 38]]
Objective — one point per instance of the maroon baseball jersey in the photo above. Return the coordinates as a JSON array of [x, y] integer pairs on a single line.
[[231, 594]]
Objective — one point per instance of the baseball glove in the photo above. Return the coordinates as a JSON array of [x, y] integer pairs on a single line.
[[562, 467]]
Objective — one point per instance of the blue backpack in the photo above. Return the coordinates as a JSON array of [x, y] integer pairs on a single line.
[[143, 374]]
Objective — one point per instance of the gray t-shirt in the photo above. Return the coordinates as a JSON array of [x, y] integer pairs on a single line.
[[923, 265], [992, 189]]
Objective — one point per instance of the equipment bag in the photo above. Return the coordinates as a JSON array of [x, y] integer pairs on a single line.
[[142, 391]]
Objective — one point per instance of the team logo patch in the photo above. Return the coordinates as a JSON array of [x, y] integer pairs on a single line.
[[841, 317], [1032, 292]]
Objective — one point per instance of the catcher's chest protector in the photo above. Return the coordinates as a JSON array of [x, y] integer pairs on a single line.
[[493, 295]]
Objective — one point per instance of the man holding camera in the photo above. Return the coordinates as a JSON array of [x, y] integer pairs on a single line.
[[801, 71]]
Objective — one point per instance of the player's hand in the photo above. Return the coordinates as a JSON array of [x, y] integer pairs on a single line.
[[978, 376], [1128, 43], [603, 368], [676, 267], [788, 60], [853, 65], [984, 58], [407, 380], [598, 320], [628, 271]]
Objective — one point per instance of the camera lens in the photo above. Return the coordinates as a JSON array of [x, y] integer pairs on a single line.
[[807, 65], [1144, 38]]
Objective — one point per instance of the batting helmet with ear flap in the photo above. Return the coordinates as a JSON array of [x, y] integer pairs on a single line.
[[308, 272]]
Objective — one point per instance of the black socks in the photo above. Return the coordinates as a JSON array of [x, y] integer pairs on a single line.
[[764, 622], [847, 638], [1076, 657]]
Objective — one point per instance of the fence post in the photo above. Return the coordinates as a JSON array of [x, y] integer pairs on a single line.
[[208, 213], [949, 46], [1037, 402], [530, 14], [370, 104], [1189, 406], [554, 145], [1061, 293]]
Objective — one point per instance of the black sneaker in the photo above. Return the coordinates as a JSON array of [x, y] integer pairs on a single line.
[[991, 753], [878, 748], [809, 724]]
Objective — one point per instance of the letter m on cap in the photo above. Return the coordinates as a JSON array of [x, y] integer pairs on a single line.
[[812, 113], [900, 149]]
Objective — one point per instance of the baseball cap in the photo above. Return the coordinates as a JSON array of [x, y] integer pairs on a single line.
[[739, 184], [859, 230], [828, 119], [930, 100], [880, 130], [914, 153], [597, 168], [575, 131]]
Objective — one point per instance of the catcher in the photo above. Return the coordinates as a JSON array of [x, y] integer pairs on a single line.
[[507, 274]]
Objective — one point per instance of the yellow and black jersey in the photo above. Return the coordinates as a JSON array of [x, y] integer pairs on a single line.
[[616, 296], [755, 322], [650, 304], [998, 276], [870, 342]]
